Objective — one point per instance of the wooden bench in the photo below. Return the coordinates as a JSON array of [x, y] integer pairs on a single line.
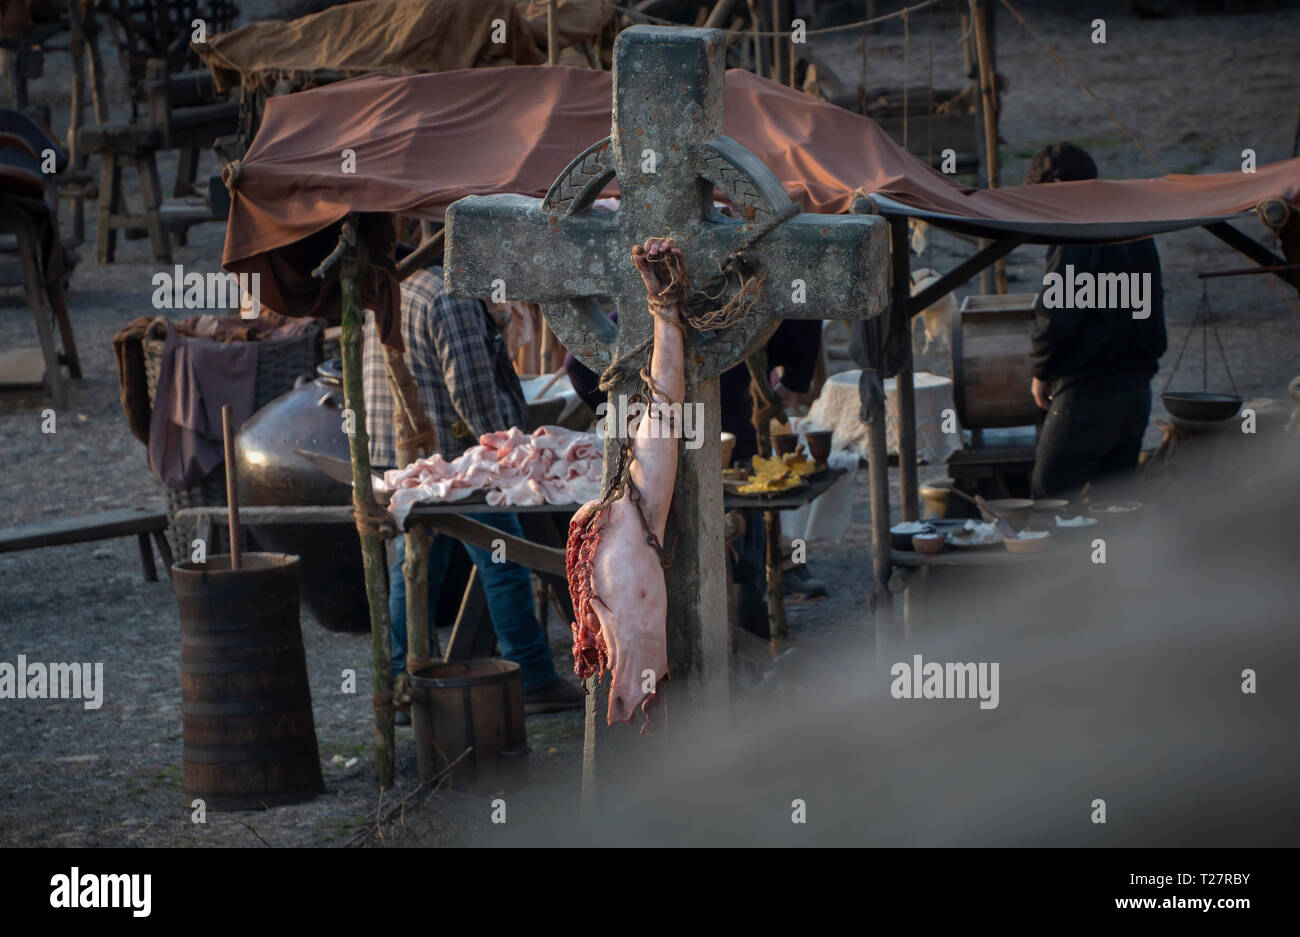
[[106, 526]]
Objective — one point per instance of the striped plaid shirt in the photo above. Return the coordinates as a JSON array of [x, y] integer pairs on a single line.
[[460, 365]]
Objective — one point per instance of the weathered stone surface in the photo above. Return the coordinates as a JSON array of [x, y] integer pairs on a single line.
[[668, 91]]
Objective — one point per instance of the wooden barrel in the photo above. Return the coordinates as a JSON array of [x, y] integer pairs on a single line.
[[476, 704], [990, 361], [250, 738]]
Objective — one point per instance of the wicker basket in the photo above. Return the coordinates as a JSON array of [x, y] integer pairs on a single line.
[[280, 362]]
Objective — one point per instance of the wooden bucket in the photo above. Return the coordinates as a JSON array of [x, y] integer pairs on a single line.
[[991, 371], [473, 703], [249, 735]]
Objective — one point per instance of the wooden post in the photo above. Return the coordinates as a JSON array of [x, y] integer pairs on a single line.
[[777, 41], [902, 282], [543, 338], [720, 11], [981, 14], [552, 40], [372, 549], [756, 27], [878, 475], [232, 483], [767, 406]]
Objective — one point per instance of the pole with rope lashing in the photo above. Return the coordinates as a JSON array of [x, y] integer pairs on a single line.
[[369, 517]]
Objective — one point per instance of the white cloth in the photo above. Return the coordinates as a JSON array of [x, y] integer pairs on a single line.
[[839, 406], [826, 517]]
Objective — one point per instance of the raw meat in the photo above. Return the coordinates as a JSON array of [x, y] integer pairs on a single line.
[[616, 578], [553, 465]]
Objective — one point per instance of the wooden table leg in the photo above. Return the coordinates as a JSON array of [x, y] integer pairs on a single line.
[[164, 550], [146, 558], [28, 247]]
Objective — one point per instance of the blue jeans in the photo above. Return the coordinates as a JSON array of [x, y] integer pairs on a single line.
[[509, 591]]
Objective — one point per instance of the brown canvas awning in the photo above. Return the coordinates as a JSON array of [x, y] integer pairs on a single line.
[[425, 141], [394, 37]]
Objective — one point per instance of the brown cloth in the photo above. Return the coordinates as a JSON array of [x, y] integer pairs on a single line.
[[182, 460], [128, 349], [197, 378], [396, 37], [575, 20], [132, 385], [427, 140]]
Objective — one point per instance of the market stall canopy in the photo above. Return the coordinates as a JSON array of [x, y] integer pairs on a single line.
[[394, 37], [425, 141]]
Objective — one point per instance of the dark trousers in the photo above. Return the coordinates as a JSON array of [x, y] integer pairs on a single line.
[[1090, 434]]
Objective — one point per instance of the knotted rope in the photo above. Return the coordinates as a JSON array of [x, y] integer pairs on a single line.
[[372, 519], [698, 307], [231, 173]]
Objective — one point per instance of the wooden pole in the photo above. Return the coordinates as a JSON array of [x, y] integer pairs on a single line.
[[430, 250], [878, 475], [902, 282], [543, 338], [77, 52], [980, 14], [232, 484], [552, 39], [768, 405], [720, 11], [756, 26], [416, 437], [872, 391], [777, 41], [363, 499]]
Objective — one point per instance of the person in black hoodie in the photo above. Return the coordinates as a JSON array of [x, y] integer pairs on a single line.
[[1092, 367]]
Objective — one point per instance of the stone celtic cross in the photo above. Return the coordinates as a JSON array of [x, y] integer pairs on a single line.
[[668, 154]]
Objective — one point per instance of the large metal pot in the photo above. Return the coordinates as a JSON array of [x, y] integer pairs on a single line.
[[308, 418]]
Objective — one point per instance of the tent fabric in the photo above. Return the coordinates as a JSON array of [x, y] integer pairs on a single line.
[[425, 141], [575, 20], [396, 37]]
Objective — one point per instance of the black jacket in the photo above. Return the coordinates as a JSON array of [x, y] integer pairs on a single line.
[[1100, 348]]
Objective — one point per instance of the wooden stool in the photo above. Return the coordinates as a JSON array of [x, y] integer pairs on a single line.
[[121, 145], [22, 218]]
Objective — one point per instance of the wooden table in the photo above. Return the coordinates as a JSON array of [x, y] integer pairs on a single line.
[[470, 634], [913, 569]]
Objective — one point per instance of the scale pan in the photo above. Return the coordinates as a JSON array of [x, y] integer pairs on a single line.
[[1200, 406]]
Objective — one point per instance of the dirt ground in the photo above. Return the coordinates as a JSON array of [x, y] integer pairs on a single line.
[[1197, 89]]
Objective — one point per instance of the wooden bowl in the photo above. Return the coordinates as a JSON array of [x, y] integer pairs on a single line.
[[819, 444], [785, 443], [1028, 544], [1015, 511], [927, 544]]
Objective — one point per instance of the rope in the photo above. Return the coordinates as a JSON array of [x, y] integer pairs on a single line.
[[371, 519], [1203, 317], [697, 305], [415, 442], [230, 175], [383, 704], [1079, 81], [775, 34]]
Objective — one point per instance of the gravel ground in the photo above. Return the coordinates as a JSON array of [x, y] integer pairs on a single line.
[[1196, 89]]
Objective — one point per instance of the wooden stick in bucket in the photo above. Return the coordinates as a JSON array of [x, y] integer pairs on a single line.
[[232, 483]]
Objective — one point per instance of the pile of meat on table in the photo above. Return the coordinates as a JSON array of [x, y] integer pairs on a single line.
[[552, 465]]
